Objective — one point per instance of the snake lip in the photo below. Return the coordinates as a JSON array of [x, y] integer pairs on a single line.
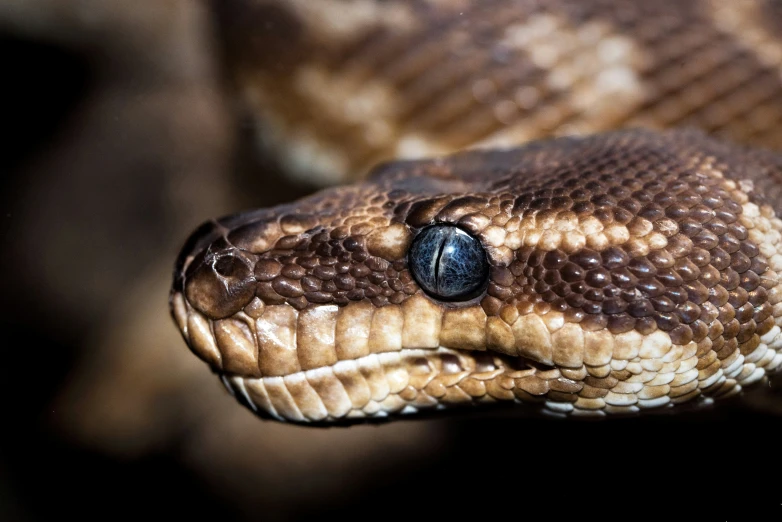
[[425, 370]]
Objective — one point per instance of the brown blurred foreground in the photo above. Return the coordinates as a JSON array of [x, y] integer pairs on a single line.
[[120, 138]]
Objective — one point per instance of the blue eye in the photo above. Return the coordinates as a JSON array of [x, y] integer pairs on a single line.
[[448, 263]]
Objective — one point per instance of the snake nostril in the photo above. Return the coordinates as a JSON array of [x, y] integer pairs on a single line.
[[195, 244], [219, 285], [228, 266]]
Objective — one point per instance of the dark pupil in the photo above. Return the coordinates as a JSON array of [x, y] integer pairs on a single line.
[[448, 263]]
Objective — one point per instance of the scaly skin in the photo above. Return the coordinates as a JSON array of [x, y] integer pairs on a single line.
[[338, 85], [629, 271]]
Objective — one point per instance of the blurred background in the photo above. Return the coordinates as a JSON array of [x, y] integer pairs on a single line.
[[121, 134]]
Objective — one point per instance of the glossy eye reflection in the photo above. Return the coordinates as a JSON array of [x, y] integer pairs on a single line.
[[448, 263]]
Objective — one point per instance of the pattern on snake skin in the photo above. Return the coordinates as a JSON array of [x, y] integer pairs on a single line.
[[338, 85], [630, 270]]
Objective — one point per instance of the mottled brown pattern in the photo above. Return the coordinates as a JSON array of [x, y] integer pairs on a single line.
[[338, 86], [608, 254], [628, 271]]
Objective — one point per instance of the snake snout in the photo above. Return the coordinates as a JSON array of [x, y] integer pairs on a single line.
[[195, 244], [215, 277]]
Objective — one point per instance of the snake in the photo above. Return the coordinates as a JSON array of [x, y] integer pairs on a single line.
[[574, 209]]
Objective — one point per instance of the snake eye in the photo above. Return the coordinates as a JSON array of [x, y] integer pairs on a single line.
[[448, 263]]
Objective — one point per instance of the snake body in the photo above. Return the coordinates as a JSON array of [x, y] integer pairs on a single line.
[[340, 85], [629, 270]]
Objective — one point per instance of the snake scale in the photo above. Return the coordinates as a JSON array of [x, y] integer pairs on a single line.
[[575, 220]]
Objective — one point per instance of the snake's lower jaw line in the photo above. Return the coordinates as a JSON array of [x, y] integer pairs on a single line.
[[379, 387], [401, 382]]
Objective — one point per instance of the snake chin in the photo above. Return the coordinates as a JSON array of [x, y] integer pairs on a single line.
[[412, 383]]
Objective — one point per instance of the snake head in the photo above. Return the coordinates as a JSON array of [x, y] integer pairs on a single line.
[[626, 272]]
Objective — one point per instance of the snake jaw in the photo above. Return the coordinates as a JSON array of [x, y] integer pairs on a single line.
[[628, 272]]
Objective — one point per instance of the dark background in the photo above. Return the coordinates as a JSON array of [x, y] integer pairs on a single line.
[[120, 135]]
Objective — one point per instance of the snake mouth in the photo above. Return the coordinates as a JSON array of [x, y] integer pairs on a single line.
[[249, 354], [376, 387], [379, 387], [331, 364]]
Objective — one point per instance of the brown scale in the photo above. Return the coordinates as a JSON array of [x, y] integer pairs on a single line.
[[708, 270]]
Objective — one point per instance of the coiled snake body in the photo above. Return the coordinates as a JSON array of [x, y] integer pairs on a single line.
[[612, 272]]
